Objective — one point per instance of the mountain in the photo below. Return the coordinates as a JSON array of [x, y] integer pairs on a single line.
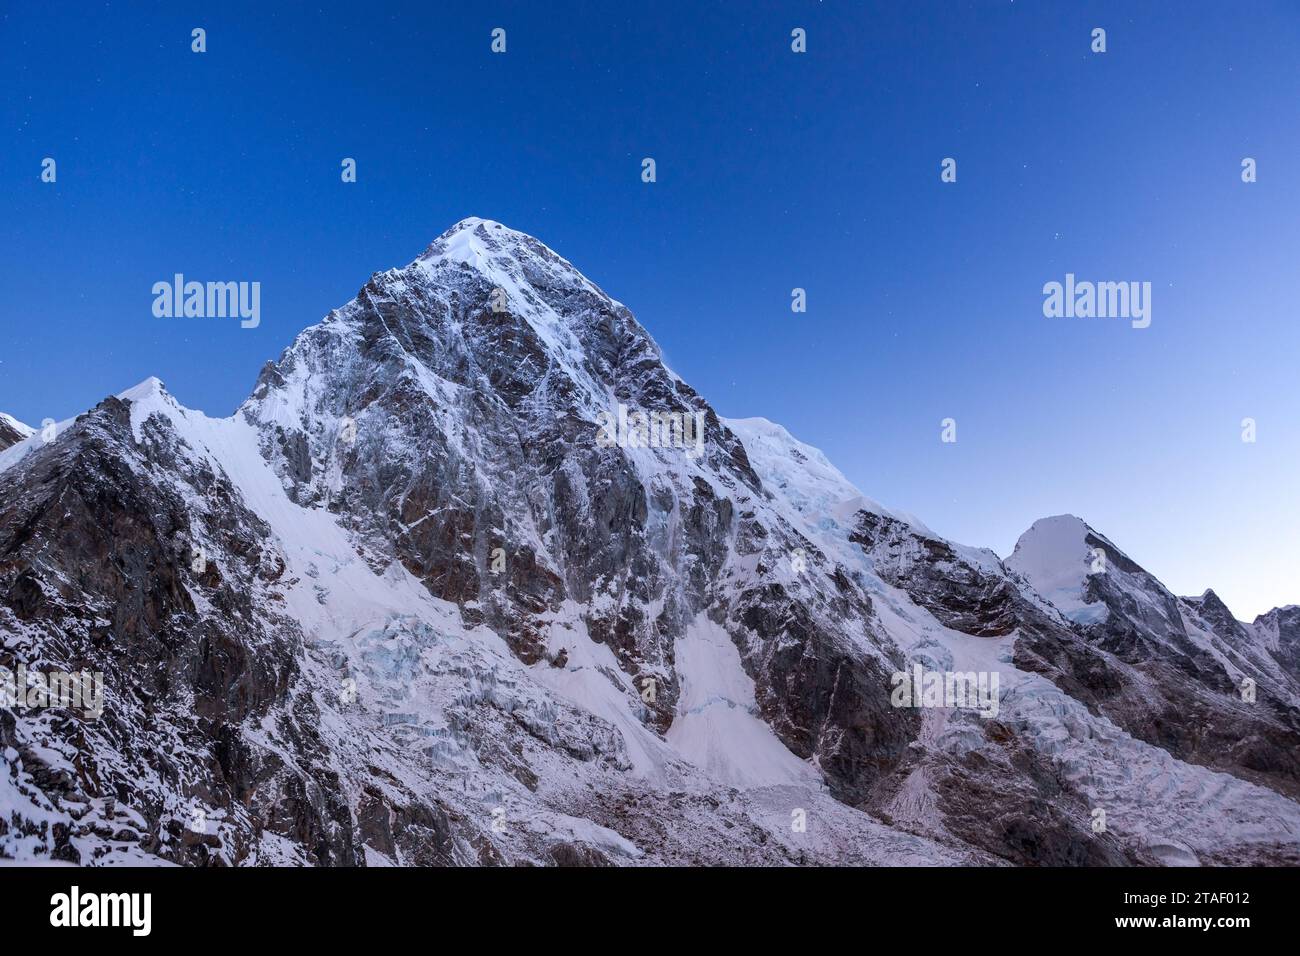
[[472, 577], [1188, 659], [12, 431]]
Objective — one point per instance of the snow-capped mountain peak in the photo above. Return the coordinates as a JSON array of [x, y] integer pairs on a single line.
[[514, 261], [1056, 556], [407, 606]]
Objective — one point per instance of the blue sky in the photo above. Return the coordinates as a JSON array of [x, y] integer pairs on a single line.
[[775, 170]]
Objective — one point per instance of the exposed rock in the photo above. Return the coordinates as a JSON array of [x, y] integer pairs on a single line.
[[409, 606]]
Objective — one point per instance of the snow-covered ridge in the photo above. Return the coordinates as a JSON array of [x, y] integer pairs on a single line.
[[16, 425], [146, 397], [803, 476], [503, 255]]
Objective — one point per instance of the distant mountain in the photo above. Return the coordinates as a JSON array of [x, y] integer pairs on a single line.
[[473, 577]]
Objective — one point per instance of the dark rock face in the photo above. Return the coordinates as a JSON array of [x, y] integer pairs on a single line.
[[10, 432], [960, 594], [1279, 630], [1008, 799], [823, 700], [97, 574], [412, 606]]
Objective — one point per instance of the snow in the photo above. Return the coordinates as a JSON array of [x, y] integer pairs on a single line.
[[397, 635], [570, 829], [717, 726], [514, 263], [149, 394], [1181, 811], [804, 477], [494, 249], [25, 430], [1053, 556], [20, 450], [312, 540], [592, 680]]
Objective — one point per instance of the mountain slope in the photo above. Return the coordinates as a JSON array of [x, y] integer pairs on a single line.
[[1192, 669], [412, 604], [12, 431]]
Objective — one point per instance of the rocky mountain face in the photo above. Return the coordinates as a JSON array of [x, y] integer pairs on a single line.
[[474, 578], [1215, 690], [12, 431], [1279, 632]]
